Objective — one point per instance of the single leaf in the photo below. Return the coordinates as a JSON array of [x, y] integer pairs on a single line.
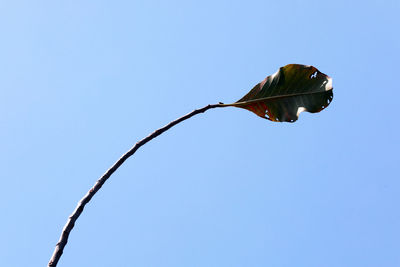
[[291, 90]]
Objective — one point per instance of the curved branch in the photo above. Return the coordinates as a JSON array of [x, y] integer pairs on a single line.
[[81, 205]]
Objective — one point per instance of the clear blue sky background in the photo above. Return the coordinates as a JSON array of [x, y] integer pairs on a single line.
[[82, 81]]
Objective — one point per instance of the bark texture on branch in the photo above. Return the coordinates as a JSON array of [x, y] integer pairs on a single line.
[[58, 251]]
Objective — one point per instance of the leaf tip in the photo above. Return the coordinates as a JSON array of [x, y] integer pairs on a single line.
[[328, 85]]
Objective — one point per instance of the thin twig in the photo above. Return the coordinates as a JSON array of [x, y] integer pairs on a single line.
[[79, 208]]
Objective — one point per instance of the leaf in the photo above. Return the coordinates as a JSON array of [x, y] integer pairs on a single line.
[[291, 90]]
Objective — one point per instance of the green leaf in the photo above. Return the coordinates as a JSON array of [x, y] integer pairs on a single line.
[[291, 90]]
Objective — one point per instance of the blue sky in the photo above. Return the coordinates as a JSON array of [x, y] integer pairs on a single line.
[[82, 81]]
